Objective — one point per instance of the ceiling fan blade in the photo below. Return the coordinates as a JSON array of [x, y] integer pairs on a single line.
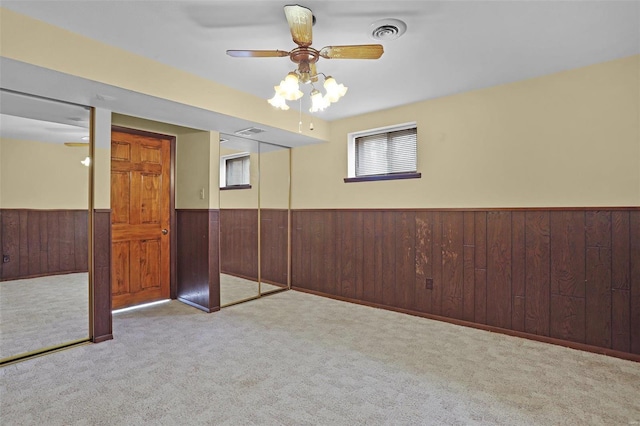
[[301, 23], [362, 51], [257, 53], [77, 144]]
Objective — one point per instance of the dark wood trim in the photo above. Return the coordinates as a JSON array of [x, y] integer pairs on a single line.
[[44, 210], [544, 339], [103, 338], [232, 187], [101, 265], [471, 209], [173, 254], [283, 285], [197, 306], [23, 277], [214, 260], [272, 292], [390, 176], [173, 281], [198, 260], [244, 277]]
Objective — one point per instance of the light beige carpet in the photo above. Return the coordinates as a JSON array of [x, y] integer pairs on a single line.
[[36, 313], [298, 359]]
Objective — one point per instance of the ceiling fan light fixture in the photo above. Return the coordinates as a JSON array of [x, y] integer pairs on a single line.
[[318, 102], [334, 90], [278, 101], [289, 88], [301, 21]]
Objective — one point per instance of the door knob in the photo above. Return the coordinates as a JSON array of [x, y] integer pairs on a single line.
[[165, 232]]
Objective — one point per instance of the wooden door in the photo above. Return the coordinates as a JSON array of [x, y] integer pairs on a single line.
[[140, 218]]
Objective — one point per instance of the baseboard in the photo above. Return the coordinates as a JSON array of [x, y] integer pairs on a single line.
[[102, 338], [244, 277], [198, 306], [41, 275]]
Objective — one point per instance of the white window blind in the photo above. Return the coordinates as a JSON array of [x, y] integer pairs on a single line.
[[386, 153], [237, 171]]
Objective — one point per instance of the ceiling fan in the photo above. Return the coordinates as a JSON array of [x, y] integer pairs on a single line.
[[301, 21]]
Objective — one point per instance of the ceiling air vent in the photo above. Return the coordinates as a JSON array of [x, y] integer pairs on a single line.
[[387, 29], [249, 131]]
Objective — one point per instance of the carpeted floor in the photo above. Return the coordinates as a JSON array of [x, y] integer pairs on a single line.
[[36, 313], [298, 359]]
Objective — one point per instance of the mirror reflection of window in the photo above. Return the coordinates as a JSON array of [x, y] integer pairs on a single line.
[[237, 170], [44, 197]]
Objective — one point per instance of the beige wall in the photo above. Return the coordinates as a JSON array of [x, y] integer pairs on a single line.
[[197, 170], [102, 159], [274, 179], [38, 175], [567, 139], [32, 41]]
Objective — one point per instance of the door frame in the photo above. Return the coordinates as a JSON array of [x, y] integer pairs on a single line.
[[173, 282]]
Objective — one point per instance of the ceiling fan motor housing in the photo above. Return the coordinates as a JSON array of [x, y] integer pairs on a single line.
[[304, 54]]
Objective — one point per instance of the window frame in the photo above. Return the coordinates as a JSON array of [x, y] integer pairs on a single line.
[[351, 154], [223, 171]]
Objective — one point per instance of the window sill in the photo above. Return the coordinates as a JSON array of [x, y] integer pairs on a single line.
[[393, 176], [227, 188]]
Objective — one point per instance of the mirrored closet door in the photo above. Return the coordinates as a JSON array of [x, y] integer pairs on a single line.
[[239, 188], [275, 176], [44, 224]]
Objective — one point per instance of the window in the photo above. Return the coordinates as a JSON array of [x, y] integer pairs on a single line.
[[234, 171], [383, 154]]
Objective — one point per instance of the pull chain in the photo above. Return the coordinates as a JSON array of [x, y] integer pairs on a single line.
[[300, 122]]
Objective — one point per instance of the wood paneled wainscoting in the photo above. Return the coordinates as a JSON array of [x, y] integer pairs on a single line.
[[565, 276], [239, 244], [37, 243], [273, 246], [102, 327], [198, 263]]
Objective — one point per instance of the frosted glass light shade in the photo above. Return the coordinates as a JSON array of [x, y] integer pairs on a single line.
[[278, 102], [334, 90], [289, 88], [318, 102]]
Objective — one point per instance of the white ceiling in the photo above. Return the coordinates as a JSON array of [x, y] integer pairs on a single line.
[[449, 47]]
